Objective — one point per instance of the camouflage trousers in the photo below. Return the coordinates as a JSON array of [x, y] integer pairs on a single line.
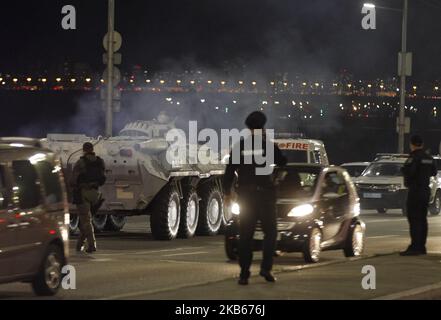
[[89, 198]]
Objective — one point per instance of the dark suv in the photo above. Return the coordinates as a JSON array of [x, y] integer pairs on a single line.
[[33, 216]]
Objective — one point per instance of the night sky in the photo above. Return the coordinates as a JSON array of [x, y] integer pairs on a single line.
[[267, 36]]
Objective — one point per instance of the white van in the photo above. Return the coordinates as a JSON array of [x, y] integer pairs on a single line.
[[300, 150]]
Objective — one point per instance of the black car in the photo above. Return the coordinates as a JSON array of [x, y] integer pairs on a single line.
[[317, 209]]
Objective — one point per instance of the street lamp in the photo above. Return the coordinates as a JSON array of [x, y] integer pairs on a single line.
[[404, 69]]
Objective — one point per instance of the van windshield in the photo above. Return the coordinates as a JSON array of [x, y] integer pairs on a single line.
[[295, 156]]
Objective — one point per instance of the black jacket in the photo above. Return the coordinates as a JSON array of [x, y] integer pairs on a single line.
[[89, 169], [418, 169], [246, 167]]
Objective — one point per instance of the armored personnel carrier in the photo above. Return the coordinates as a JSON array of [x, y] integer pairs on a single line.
[[181, 198]]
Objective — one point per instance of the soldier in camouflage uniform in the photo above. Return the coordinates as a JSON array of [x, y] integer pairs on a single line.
[[87, 177]]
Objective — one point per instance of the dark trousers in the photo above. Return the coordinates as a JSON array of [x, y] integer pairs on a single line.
[[256, 205], [417, 206]]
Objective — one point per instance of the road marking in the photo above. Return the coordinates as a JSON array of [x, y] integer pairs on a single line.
[[101, 260], [184, 254], [196, 284], [191, 262], [385, 236], [384, 220], [411, 292], [167, 250], [156, 291], [146, 252]]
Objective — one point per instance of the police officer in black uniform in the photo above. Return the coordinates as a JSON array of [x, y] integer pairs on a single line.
[[256, 197], [417, 172]]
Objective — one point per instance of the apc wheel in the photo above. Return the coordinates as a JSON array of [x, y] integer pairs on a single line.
[[312, 247], [115, 222], [435, 207], [99, 222], [165, 218], [382, 210], [48, 280], [354, 242], [211, 211], [189, 214], [74, 223]]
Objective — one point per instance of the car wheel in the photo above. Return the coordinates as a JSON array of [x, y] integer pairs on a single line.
[[211, 211], [354, 245], [74, 223], [435, 207], [189, 213], [166, 214], [312, 246], [48, 280], [115, 222], [382, 210], [99, 222]]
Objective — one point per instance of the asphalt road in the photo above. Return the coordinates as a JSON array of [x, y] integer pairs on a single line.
[[130, 265]]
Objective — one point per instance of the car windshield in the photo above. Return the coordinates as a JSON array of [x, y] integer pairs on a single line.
[[296, 182], [295, 156], [355, 170], [383, 169]]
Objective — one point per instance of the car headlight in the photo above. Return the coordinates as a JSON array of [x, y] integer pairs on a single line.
[[235, 209], [394, 187], [301, 211]]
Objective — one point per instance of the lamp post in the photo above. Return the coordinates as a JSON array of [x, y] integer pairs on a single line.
[[403, 70], [110, 69], [401, 119]]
